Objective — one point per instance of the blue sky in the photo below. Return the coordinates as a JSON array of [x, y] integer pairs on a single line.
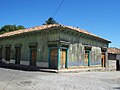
[[101, 17]]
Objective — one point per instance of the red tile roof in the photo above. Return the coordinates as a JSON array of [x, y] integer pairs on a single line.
[[37, 28], [114, 50]]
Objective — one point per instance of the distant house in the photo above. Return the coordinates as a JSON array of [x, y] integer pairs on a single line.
[[114, 58], [54, 46]]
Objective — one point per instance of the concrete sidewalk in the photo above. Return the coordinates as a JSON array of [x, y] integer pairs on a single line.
[[34, 68], [75, 70]]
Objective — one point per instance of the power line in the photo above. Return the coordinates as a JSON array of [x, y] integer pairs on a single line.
[[58, 8]]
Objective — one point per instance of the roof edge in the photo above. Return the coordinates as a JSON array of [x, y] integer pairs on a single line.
[[42, 27]]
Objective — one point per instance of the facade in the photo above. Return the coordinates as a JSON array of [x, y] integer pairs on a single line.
[[114, 58], [54, 46]]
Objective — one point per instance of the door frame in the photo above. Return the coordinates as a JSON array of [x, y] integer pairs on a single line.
[[117, 65], [58, 64], [88, 51], [30, 54], [0, 55], [66, 56], [103, 62], [7, 57], [17, 60], [49, 57]]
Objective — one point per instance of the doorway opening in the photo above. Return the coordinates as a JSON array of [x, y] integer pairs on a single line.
[[117, 65], [0, 55], [63, 58], [87, 58], [87, 55], [8, 49], [53, 58], [103, 60], [33, 55], [17, 55], [58, 57]]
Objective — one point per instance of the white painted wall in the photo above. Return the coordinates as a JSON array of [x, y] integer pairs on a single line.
[[24, 62], [112, 64], [42, 64]]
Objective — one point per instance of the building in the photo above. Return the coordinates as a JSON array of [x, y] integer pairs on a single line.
[[54, 46], [114, 58]]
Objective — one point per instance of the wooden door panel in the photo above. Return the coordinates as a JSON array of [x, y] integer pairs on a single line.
[[62, 58], [53, 58], [33, 56], [103, 60]]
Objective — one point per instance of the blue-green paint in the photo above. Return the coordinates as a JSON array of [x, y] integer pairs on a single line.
[[58, 58], [66, 64], [58, 64]]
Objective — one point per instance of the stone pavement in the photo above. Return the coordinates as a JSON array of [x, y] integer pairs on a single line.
[[36, 80]]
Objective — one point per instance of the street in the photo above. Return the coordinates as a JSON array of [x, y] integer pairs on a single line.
[[36, 80]]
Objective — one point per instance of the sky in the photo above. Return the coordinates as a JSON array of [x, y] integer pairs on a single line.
[[100, 17]]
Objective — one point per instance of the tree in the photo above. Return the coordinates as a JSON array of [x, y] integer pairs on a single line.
[[50, 21], [8, 28], [20, 27]]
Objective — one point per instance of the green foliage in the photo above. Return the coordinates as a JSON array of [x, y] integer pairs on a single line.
[[9, 28], [50, 21], [20, 27]]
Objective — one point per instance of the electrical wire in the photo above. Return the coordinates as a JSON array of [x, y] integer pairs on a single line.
[[58, 8]]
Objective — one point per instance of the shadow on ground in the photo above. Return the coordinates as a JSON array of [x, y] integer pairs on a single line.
[[22, 67], [118, 88]]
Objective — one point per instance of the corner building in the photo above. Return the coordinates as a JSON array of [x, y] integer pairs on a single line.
[[54, 46]]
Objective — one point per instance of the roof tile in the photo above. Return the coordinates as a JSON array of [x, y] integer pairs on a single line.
[[114, 50], [37, 28]]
